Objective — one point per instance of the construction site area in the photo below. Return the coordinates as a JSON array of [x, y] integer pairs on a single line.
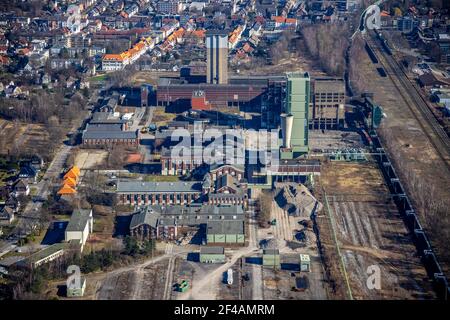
[[361, 229]]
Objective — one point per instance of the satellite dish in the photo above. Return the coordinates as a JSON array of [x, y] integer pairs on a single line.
[[74, 19]]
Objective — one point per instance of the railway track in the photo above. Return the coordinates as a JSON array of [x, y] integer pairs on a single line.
[[435, 133]]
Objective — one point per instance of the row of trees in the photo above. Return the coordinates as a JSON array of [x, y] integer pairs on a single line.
[[265, 206], [358, 56], [42, 105], [327, 43], [135, 248]]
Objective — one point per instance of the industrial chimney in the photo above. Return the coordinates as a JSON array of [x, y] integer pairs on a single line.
[[287, 121]]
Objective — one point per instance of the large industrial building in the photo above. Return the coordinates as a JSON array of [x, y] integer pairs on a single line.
[[295, 122], [217, 56], [145, 193], [327, 110], [223, 223], [264, 94]]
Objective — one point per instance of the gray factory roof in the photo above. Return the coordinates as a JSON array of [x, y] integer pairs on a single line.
[[158, 187], [191, 215], [212, 250], [91, 127], [144, 217], [97, 134], [105, 117], [197, 209], [225, 227], [79, 219]]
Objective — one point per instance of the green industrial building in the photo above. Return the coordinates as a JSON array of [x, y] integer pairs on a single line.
[[297, 106], [271, 258], [212, 255], [225, 232]]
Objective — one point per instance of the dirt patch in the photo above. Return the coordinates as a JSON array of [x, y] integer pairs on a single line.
[[28, 138], [161, 118], [370, 232], [89, 159]]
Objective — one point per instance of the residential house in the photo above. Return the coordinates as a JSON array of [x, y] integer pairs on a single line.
[[6, 215], [28, 172], [21, 188], [13, 203]]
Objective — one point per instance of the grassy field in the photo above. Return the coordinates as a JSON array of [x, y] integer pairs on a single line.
[[99, 78], [161, 118]]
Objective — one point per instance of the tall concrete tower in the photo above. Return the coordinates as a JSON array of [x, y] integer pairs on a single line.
[[297, 105], [217, 56]]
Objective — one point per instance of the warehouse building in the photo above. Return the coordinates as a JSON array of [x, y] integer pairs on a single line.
[[229, 232], [107, 129], [212, 255], [166, 222], [294, 122], [158, 193]]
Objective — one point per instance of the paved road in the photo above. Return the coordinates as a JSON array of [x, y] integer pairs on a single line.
[[31, 213], [257, 279], [146, 149], [29, 219]]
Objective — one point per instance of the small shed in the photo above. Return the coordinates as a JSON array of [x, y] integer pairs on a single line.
[[75, 291], [212, 255], [271, 258], [305, 263]]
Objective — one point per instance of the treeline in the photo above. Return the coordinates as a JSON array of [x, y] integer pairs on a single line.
[[25, 283], [327, 43], [358, 56], [264, 208], [41, 106]]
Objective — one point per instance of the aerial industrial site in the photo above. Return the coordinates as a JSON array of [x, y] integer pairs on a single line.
[[224, 150]]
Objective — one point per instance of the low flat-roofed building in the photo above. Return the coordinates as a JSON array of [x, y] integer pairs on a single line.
[[212, 255], [76, 291], [44, 256], [100, 137]]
